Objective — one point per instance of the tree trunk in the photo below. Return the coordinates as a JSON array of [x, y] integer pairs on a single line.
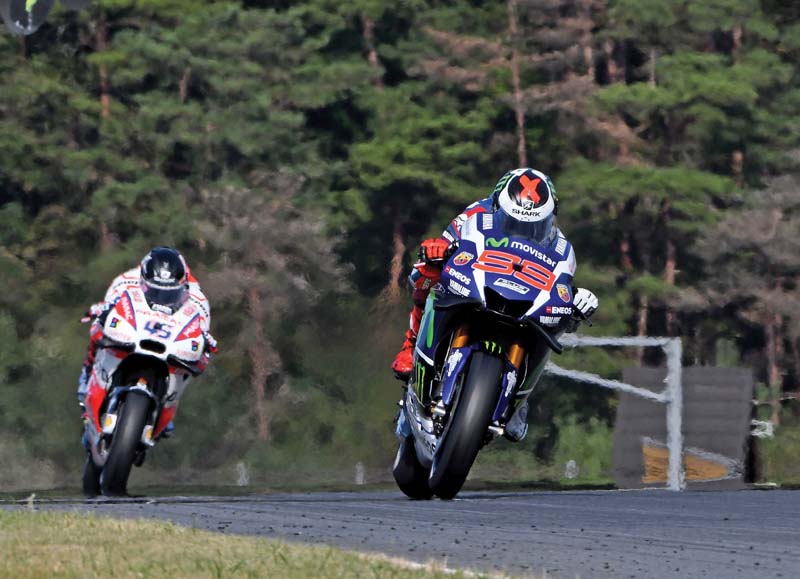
[[774, 349], [519, 108], [625, 253], [652, 65], [669, 269], [736, 37], [795, 359], [258, 353], [183, 84], [614, 73], [368, 34], [106, 238], [737, 167], [641, 324], [394, 290], [101, 44]]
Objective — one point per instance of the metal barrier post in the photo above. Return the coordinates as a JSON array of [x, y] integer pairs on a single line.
[[672, 395]]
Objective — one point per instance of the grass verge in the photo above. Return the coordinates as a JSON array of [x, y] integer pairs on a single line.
[[43, 544]]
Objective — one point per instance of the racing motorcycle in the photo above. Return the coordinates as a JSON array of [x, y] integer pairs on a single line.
[[487, 332], [145, 360]]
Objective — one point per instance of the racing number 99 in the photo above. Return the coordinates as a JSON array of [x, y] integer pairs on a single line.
[[529, 272]]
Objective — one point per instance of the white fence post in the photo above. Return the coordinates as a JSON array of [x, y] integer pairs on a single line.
[[672, 395], [674, 392]]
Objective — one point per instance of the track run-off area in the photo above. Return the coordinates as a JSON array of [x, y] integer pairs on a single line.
[[565, 534]]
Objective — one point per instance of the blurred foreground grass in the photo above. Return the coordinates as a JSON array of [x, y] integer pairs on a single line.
[[35, 544]]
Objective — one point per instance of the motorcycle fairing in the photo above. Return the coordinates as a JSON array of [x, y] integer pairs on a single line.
[[508, 391], [132, 328], [457, 361], [413, 423], [516, 269], [454, 366]]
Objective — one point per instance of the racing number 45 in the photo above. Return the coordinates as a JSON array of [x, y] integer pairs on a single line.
[[159, 330], [529, 272]]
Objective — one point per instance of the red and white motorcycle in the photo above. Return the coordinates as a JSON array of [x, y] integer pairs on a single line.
[[145, 360]]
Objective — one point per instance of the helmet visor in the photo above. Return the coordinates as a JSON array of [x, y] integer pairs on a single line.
[[165, 296], [541, 232]]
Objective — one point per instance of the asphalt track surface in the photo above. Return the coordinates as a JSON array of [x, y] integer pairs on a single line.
[[567, 534]]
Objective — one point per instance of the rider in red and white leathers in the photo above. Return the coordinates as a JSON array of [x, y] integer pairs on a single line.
[[167, 284]]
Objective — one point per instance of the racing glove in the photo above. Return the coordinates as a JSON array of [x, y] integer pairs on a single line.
[[585, 302], [211, 343], [95, 311], [434, 249]]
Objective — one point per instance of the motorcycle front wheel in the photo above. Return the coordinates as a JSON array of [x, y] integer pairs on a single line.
[[127, 436], [466, 430]]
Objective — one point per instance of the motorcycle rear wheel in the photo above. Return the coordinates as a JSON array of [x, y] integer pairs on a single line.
[[127, 436], [409, 474], [465, 432]]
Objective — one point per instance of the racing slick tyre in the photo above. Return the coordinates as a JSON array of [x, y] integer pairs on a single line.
[[466, 430], [410, 475], [127, 437], [91, 477]]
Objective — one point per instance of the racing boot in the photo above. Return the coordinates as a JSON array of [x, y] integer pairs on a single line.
[[404, 361], [169, 431], [517, 426]]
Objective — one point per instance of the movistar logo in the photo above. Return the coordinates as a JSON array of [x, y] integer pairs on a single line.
[[497, 243]]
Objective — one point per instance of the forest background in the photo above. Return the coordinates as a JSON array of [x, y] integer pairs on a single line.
[[297, 152]]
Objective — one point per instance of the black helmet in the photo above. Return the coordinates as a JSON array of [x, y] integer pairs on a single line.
[[164, 278], [526, 205]]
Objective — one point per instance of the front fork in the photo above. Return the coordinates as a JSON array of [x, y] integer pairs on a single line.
[[97, 426], [459, 354]]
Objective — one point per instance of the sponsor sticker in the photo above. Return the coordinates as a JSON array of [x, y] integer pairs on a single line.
[[564, 293], [114, 322], [457, 288], [453, 361], [559, 310], [527, 215], [512, 285], [195, 346], [125, 307], [190, 330], [463, 258], [533, 251], [549, 320], [488, 221], [561, 246], [492, 242], [511, 379], [458, 275]]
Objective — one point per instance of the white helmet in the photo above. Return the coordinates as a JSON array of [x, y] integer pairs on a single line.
[[527, 205]]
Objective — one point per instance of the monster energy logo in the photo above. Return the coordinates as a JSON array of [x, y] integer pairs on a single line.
[[420, 381], [497, 243], [492, 347], [502, 183]]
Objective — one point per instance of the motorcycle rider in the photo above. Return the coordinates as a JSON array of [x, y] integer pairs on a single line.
[[524, 202], [167, 284]]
